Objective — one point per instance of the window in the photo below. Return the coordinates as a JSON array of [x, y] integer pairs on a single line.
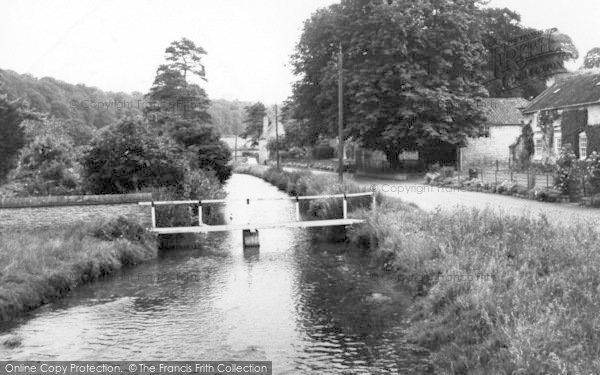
[[538, 147], [486, 131], [557, 143], [582, 146]]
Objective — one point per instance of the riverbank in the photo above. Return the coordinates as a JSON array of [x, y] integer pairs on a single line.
[[492, 293], [38, 267]]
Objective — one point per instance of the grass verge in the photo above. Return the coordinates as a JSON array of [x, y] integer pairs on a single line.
[[36, 268], [493, 294]]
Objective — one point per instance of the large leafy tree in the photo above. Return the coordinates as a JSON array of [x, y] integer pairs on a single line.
[[413, 73], [253, 122], [521, 58]]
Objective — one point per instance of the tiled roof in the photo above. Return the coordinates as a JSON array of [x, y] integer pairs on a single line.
[[571, 91], [504, 111]]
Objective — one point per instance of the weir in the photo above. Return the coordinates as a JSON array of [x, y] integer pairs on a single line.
[[250, 230]]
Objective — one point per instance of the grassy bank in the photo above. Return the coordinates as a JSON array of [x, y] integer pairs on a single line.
[[492, 294], [37, 267]]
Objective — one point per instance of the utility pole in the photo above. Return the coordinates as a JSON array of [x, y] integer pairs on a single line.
[[276, 136], [341, 114], [235, 144]]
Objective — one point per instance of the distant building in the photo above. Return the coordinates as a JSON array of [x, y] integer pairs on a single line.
[[567, 112], [268, 133], [502, 128]]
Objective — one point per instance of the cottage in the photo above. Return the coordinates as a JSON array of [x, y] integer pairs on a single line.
[[566, 113], [502, 128]]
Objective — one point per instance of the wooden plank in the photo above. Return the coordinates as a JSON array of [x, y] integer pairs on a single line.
[[234, 227], [304, 197]]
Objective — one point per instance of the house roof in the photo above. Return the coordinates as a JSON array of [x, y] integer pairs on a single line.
[[504, 111], [574, 90]]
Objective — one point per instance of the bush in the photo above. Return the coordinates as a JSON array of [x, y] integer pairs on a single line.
[[215, 157], [566, 177], [127, 157]]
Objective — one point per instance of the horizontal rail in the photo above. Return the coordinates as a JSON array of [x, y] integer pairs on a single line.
[[209, 201], [233, 227]]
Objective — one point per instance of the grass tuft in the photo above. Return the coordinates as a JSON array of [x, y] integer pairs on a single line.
[[36, 268]]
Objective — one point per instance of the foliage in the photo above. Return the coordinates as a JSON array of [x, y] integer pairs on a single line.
[[573, 123], [253, 122], [593, 173], [513, 73], [82, 109], [216, 157], [12, 137], [127, 157], [48, 166], [592, 59], [494, 294], [181, 110], [413, 73], [546, 124], [52, 262], [566, 178], [227, 116]]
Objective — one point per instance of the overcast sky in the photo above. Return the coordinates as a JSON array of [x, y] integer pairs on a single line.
[[118, 44]]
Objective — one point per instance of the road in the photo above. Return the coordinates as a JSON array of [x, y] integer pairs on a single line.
[[432, 197]]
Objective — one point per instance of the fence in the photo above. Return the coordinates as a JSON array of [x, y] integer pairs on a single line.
[[530, 178]]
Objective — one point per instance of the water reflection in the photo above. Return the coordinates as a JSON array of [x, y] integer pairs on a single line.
[[299, 304]]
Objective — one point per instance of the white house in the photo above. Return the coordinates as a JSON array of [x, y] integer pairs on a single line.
[[567, 112]]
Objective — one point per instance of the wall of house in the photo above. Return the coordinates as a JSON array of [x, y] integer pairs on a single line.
[[486, 150], [594, 115], [549, 153]]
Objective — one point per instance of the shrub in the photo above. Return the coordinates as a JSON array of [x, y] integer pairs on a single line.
[[566, 177], [127, 157], [215, 157]]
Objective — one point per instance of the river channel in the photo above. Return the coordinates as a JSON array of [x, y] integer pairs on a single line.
[[305, 305]]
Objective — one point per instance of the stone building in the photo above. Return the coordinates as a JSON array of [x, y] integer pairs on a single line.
[[502, 128], [566, 113]]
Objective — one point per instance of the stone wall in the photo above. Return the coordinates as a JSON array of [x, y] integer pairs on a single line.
[[19, 214], [486, 150]]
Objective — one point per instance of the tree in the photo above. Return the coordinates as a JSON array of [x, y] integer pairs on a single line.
[[12, 137], [592, 59], [521, 59], [128, 157], [185, 56], [179, 110], [413, 73], [254, 122]]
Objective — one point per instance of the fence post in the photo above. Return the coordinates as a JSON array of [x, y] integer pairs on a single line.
[[200, 223], [153, 213], [297, 208], [345, 207]]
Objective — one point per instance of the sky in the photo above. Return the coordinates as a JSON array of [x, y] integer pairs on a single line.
[[116, 45]]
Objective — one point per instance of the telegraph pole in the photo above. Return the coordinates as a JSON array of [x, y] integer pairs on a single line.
[[235, 144], [341, 114], [276, 136]]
